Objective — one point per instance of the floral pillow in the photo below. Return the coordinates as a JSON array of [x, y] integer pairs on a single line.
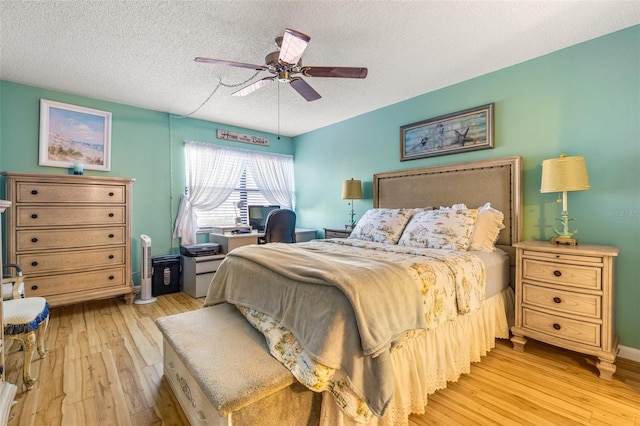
[[381, 225], [449, 229]]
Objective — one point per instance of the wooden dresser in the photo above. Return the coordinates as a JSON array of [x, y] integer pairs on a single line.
[[71, 235], [565, 297], [7, 390]]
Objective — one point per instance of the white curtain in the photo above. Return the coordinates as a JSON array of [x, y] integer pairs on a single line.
[[213, 173], [273, 175]]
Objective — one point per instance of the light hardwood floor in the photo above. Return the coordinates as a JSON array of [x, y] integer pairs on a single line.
[[104, 367]]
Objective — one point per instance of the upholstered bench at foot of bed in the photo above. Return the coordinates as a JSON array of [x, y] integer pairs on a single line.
[[221, 372]]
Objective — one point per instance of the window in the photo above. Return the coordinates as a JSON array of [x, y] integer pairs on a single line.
[[219, 179], [245, 194]]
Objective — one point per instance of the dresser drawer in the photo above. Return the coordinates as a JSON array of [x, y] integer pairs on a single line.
[[70, 216], [74, 282], [73, 238], [45, 262], [588, 305], [61, 193], [563, 257], [587, 277], [564, 328]]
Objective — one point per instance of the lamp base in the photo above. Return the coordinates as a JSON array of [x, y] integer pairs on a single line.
[[565, 240]]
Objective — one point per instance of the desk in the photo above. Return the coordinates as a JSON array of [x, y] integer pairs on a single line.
[[230, 241]]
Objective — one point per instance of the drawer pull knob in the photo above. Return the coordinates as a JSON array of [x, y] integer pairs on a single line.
[[111, 256], [34, 216], [34, 240], [557, 300], [34, 263], [111, 235], [111, 194], [557, 273], [111, 277], [557, 326], [34, 287], [111, 215], [34, 192]]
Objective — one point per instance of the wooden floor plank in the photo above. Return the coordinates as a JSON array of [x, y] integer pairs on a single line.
[[104, 367]]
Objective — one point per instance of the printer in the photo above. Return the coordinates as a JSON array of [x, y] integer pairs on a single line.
[[204, 249]]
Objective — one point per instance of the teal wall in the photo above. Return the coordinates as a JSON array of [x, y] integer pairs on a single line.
[[583, 100], [145, 145]]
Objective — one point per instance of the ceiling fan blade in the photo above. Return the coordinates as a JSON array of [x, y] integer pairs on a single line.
[[231, 64], [341, 72], [253, 87], [293, 45], [304, 89]]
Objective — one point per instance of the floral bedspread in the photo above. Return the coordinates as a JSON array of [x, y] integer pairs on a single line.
[[451, 283]]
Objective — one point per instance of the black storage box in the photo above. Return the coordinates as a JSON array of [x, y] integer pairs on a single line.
[[165, 277]]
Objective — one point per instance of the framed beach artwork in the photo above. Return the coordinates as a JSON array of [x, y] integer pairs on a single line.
[[467, 130], [71, 135]]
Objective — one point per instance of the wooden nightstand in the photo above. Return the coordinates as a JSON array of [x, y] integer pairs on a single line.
[[564, 297], [337, 232]]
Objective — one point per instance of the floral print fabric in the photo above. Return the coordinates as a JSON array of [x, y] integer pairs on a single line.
[[451, 283], [440, 229], [381, 225]]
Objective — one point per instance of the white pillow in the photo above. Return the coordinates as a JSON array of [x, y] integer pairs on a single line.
[[449, 229], [381, 225], [487, 229]]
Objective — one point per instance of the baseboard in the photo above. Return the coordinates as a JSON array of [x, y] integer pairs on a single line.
[[629, 353]]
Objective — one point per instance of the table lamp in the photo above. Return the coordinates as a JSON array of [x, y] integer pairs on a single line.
[[351, 190], [562, 175]]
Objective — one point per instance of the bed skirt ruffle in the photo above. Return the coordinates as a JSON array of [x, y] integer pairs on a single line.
[[434, 357]]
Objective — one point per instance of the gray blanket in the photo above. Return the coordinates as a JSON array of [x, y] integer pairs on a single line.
[[346, 311]]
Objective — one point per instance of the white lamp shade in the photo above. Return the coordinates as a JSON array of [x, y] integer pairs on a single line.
[[564, 174], [352, 189]]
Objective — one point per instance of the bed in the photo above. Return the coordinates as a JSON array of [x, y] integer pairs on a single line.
[[318, 303]]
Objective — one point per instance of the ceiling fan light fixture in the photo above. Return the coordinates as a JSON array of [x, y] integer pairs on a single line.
[[293, 45]]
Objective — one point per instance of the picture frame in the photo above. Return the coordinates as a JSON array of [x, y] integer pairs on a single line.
[[74, 136], [467, 130]]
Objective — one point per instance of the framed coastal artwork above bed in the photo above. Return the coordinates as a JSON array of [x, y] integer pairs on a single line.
[[468, 130], [72, 135]]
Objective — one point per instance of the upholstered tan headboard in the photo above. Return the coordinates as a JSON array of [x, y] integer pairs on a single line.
[[498, 181]]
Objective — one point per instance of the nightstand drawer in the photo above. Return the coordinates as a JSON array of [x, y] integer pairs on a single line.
[[559, 273], [588, 305], [336, 233], [564, 328]]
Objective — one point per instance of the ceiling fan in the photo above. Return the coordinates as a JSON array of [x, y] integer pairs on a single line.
[[285, 64]]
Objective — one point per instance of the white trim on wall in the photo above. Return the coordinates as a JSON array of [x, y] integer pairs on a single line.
[[629, 353]]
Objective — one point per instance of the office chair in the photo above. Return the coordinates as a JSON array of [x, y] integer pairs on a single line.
[[280, 227]]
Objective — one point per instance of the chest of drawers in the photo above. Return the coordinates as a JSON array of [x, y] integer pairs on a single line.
[[71, 235], [565, 297]]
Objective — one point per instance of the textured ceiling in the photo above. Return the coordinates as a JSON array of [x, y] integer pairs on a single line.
[[141, 52]]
